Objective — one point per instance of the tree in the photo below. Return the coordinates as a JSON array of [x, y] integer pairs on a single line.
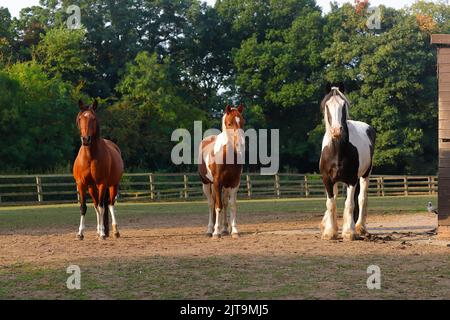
[[279, 71], [154, 104], [390, 77], [37, 119], [63, 52], [6, 35]]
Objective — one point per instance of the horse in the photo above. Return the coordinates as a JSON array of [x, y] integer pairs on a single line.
[[347, 157], [98, 168], [220, 169]]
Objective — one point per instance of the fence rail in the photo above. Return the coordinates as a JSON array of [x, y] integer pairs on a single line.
[[151, 187]]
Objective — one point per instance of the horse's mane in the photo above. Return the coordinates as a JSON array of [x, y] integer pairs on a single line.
[[97, 123]]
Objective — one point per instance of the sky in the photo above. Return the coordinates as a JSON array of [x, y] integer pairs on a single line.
[[14, 6]]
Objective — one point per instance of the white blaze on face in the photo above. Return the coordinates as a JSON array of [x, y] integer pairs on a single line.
[[86, 114], [335, 108]]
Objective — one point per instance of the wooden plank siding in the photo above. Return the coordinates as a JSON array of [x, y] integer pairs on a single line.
[[443, 59]]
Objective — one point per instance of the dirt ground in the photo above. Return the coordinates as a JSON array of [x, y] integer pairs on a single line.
[[406, 242], [170, 238]]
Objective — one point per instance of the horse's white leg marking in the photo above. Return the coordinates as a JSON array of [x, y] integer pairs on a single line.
[[348, 229], [217, 226], [101, 212], [114, 221], [82, 225], [98, 220], [233, 200], [225, 200], [329, 223], [362, 200], [207, 190]]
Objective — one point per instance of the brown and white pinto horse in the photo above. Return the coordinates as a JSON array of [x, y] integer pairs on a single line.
[[347, 155], [98, 168], [220, 168]]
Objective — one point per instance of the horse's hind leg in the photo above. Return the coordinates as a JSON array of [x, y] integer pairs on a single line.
[[207, 190], [362, 199], [83, 209], [112, 200]]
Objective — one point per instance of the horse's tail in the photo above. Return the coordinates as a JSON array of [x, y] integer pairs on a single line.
[[356, 201], [106, 213]]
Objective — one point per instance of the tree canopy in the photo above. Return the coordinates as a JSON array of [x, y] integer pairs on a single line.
[[159, 65]]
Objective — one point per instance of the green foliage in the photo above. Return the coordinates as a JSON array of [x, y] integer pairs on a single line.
[[36, 117], [154, 104], [392, 80], [63, 53], [158, 65]]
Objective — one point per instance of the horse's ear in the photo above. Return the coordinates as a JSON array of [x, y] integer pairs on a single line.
[[241, 108], [341, 86], [81, 105], [228, 109], [94, 105]]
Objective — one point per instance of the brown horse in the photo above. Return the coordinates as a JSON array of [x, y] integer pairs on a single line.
[[98, 168], [220, 168]]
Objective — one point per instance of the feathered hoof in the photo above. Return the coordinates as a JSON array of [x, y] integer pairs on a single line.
[[209, 235], [349, 236], [102, 238], [235, 236], [116, 235], [362, 231], [225, 233], [329, 237], [216, 236], [80, 237]]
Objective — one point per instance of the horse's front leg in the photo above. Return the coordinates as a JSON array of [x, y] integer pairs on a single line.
[[348, 229], [94, 195], [329, 226], [362, 199], [83, 209], [218, 206], [225, 200], [101, 211]]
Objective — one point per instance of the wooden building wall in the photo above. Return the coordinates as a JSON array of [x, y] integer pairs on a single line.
[[443, 47]]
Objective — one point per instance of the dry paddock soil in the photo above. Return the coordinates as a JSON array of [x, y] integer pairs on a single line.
[[279, 256]]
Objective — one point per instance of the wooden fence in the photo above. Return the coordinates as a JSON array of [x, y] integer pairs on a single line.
[[149, 187]]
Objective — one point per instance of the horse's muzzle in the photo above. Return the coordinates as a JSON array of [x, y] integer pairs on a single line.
[[336, 132], [86, 141]]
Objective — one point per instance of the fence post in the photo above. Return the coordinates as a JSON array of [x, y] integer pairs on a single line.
[[306, 187], [405, 181], [378, 186], [433, 185], [39, 189], [277, 186], [249, 187], [152, 186], [430, 191], [186, 187]]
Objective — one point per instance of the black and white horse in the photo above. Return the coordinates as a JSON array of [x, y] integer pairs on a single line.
[[347, 155]]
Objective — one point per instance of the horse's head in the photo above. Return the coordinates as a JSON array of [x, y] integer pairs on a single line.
[[87, 123], [233, 124], [335, 109]]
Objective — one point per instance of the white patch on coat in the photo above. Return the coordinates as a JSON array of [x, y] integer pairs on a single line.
[[209, 174], [359, 138]]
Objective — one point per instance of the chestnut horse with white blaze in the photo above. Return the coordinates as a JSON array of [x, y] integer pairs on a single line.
[[220, 168], [347, 156], [98, 169]]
